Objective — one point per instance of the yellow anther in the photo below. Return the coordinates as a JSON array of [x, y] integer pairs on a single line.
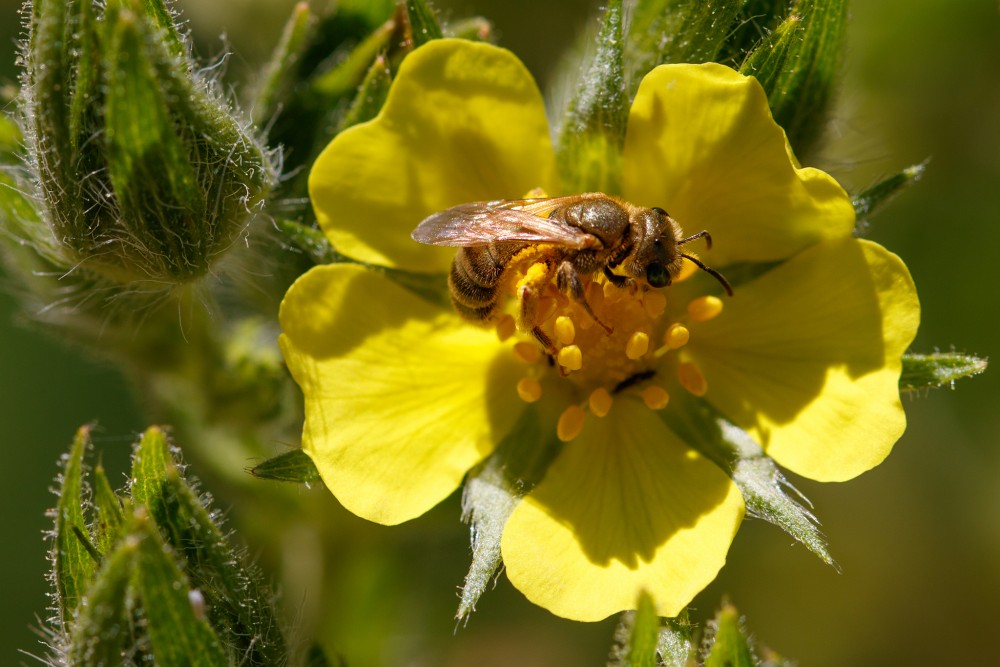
[[595, 296], [570, 423], [704, 308], [506, 327], [691, 378], [545, 309], [688, 269], [637, 345], [565, 330], [655, 397], [527, 352], [600, 402], [654, 303], [676, 336], [529, 390], [571, 358]]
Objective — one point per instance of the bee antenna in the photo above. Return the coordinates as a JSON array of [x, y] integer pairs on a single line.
[[702, 234], [712, 272]]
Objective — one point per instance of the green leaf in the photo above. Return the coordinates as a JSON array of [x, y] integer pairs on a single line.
[[491, 493], [151, 459], [343, 79], [421, 22], [592, 136], [292, 466], [729, 644], [677, 31], [73, 564], [927, 371], [109, 517], [371, 95], [645, 626], [797, 65], [869, 201], [281, 73], [179, 634], [101, 630]]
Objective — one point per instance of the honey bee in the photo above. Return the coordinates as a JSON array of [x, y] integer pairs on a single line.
[[568, 238]]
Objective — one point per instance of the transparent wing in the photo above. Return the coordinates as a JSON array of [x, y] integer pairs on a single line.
[[480, 223]]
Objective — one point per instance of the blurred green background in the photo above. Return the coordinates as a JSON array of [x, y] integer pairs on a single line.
[[918, 538]]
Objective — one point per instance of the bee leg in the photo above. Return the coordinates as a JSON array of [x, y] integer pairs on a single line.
[[568, 280], [621, 282], [528, 293]]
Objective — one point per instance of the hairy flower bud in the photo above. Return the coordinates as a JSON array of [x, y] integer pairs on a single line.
[[145, 173]]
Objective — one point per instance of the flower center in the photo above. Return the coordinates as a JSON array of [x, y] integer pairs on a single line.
[[627, 344]]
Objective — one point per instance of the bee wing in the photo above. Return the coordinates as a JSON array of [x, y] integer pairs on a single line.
[[480, 223]]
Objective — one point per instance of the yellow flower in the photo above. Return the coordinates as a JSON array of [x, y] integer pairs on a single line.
[[403, 397]]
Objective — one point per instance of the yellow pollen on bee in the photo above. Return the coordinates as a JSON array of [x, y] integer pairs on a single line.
[[655, 397], [571, 358], [688, 269], [600, 402], [570, 423], [527, 352], [704, 308], [637, 345], [676, 336], [529, 389], [691, 378], [565, 330], [654, 303], [506, 327]]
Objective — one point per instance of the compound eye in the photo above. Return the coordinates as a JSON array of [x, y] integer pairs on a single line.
[[656, 275]]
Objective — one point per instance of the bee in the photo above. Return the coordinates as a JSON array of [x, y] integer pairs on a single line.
[[565, 238]]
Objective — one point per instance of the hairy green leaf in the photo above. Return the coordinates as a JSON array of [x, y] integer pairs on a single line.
[[927, 371]]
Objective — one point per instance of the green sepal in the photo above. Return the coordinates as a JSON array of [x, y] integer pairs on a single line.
[[765, 490], [370, 96], [292, 466], [928, 371], [340, 81], [870, 200], [179, 633], [797, 65], [280, 75], [677, 31], [757, 17], [474, 29], [73, 565], [422, 23], [592, 135], [675, 642], [159, 18], [109, 516], [101, 630], [728, 644], [492, 491]]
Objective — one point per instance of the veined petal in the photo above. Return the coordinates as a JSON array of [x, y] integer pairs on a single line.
[[402, 398], [701, 144], [807, 357], [626, 507], [463, 122]]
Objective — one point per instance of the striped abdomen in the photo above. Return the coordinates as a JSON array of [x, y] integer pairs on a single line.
[[475, 278]]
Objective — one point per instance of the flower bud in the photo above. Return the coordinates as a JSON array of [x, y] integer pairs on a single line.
[[145, 173]]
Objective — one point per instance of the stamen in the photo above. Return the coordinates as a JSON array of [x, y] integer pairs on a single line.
[[637, 345], [655, 397], [545, 309], [571, 358], [691, 378], [529, 389], [676, 336], [570, 423], [527, 352], [704, 308], [595, 296], [600, 402], [565, 330], [654, 303], [506, 327]]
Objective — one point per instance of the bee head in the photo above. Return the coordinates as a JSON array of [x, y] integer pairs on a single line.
[[655, 256]]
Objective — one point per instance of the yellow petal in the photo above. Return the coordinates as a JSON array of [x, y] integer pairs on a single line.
[[625, 508], [401, 397], [701, 144], [463, 122], [807, 358]]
